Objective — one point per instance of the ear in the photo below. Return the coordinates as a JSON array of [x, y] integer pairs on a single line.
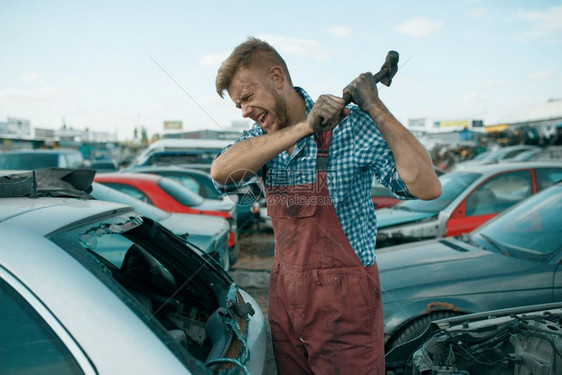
[[277, 75]]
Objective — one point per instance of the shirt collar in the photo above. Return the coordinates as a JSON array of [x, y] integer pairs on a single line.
[[309, 103]]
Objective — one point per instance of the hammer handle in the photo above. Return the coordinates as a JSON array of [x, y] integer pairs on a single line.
[[391, 60]]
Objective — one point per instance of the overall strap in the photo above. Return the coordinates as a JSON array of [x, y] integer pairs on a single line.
[[323, 145]]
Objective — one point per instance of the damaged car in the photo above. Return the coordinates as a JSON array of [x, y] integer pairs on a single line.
[[93, 287], [469, 198], [513, 260], [209, 233], [523, 340]]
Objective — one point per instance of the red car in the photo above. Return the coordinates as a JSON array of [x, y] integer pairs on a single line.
[[382, 197], [469, 198], [172, 196]]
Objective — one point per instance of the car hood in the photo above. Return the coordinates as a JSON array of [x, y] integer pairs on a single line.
[[443, 267], [387, 217], [201, 230]]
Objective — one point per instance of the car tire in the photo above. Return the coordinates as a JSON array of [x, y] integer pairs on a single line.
[[416, 327]]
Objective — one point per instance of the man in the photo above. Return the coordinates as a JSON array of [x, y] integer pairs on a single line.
[[318, 160]]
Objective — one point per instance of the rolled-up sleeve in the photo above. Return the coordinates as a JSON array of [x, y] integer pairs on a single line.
[[372, 151], [255, 131]]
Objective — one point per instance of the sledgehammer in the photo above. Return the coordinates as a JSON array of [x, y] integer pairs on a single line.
[[388, 70]]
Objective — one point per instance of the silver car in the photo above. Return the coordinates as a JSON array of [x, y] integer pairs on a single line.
[[92, 287]]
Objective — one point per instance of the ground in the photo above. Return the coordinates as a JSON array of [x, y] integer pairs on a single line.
[[251, 272]]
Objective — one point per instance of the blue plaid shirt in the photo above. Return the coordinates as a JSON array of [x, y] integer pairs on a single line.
[[358, 152]]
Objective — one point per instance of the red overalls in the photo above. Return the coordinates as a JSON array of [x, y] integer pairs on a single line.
[[325, 307]]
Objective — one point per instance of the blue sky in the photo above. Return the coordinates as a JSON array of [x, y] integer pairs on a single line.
[[89, 62]]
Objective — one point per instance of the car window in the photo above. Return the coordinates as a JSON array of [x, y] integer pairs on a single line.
[[29, 345], [209, 190], [121, 254], [512, 153], [188, 182], [63, 161], [498, 193], [129, 190], [105, 193], [110, 246], [75, 159], [547, 177], [525, 156], [180, 193], [532, 229], [452, 185], [482, 155], [29, 161]]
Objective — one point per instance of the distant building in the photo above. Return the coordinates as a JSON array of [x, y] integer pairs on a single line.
[[421, 126], [206, 134], [16, 127]]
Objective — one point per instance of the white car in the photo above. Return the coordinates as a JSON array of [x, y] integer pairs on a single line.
[[92, 287]]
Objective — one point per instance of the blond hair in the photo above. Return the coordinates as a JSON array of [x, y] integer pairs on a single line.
[[244, 56]]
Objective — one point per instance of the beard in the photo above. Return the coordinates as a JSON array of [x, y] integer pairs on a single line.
[[280, 112]]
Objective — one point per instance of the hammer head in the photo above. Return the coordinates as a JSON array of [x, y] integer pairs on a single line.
[[390, 67]]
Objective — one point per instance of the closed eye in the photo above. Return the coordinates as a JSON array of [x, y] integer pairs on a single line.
[[244, 98]]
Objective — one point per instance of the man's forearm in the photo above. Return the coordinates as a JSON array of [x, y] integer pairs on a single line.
[[251, 154], [412, 161]]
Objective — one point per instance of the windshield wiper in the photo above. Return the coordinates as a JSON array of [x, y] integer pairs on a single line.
[[494, 243], [466, 238]]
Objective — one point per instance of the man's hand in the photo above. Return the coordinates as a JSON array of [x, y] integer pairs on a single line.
[[363, 91], [327, 112]]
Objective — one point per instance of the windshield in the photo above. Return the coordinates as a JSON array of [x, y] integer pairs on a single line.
[[452, 185], [481, 156], [532, 229], [524, 156], [105, 193], [180, 193]]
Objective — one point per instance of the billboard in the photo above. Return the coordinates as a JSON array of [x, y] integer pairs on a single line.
[[173, 125], [455, 124]]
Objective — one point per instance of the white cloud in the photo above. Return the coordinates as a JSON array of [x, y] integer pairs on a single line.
[[474, 97], [213, 60], [339, 31], [542, 75], [31, 77], [45, 93], [299, 47], [543, 23], [476, 13], [419, 27]]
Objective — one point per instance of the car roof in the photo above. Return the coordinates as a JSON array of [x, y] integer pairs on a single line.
[[170, 168], [501, 167], [47, 214], [185, 143], [128, 176]]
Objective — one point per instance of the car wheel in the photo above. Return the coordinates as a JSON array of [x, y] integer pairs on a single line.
[[416, 327]]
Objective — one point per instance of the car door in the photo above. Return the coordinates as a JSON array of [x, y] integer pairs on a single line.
[[546, 177], [33, 340], [487, 200], [557, 279]]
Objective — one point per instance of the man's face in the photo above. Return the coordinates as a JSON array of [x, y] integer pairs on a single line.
[[255, 93]]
